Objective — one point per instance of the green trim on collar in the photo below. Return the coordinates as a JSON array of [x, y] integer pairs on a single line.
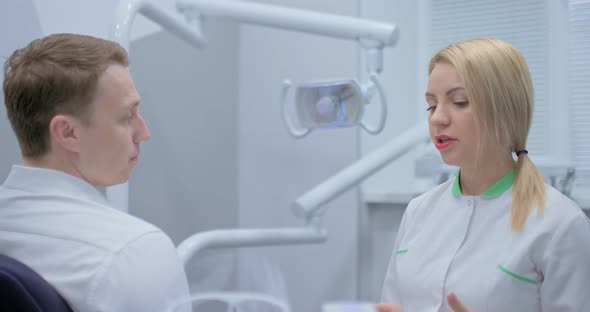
[[456, 187], [497, 189], [501, 186]]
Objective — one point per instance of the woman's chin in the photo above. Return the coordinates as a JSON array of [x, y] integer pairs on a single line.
[[450, 161]]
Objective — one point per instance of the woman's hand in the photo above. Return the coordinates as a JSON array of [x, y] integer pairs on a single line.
[[454, 303], [388, 307]]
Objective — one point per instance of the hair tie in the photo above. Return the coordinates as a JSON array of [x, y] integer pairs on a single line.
[[521, 152]]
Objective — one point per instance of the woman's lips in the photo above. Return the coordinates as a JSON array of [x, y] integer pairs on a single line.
[[443, 141]]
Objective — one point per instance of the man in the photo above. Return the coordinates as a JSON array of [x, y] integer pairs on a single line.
[[74, 108]]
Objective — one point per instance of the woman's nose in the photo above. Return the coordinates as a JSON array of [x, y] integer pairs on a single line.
[[440, 116]]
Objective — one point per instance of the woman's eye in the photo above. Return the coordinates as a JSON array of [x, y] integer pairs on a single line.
[[461, 103]]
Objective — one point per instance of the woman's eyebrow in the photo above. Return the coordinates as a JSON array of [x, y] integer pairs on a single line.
[[454, 89], [449, 92]]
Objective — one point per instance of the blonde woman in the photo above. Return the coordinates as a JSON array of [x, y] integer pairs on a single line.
[[495, 237]]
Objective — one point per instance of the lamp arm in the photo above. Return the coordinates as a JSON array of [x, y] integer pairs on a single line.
[[128, 9], [345, 27], [308, 205]]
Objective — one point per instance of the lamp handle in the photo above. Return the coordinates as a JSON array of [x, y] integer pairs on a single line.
[[293, 131], [374, 81]]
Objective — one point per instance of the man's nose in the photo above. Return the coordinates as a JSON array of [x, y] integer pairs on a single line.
[[142, 133]]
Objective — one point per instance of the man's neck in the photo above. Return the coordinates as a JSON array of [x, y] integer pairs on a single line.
[[49, 162]]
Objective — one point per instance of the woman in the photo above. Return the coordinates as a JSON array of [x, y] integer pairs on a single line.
[[495, 237]]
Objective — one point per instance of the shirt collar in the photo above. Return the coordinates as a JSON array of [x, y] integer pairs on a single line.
[[495, 190], [48, 181]]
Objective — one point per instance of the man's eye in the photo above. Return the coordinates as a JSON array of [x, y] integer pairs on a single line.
[[431, 108]]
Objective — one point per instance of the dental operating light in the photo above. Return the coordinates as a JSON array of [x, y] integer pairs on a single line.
[[318, 105], [332, 104]]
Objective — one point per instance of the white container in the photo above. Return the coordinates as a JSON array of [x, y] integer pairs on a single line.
[[348, 307]]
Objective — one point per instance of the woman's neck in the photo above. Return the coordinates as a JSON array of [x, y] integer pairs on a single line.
[[475, 180]]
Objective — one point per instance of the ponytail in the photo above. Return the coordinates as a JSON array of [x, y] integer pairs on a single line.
[[528, 192]]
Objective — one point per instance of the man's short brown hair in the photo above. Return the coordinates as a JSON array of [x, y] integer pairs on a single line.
[[57, 74]]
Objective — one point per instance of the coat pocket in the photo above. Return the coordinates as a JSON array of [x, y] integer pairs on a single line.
[[514, 290]]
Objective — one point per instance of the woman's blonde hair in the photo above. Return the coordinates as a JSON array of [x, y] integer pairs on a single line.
[[498, 84]]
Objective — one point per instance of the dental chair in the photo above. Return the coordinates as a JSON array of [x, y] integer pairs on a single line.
[[23, 290]]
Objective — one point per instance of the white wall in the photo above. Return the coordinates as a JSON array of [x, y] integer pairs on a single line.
[[403, 78], [89, 17], [13, 15], [275, 169], [186, 181]]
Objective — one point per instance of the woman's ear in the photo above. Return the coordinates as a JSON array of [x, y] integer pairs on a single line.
[[64, 131]]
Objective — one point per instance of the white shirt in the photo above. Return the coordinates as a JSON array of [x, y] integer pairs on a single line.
[[98, 258], [448, 242]]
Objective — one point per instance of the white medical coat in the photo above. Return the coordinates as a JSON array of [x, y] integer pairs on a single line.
[[98, 258], [448, 242]]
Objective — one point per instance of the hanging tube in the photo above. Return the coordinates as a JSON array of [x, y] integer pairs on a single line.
[[247, 238]]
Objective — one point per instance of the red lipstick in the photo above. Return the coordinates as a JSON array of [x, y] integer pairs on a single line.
[[443, 141]]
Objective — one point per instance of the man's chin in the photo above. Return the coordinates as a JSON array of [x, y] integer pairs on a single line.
[[118, 183], [114, 182]]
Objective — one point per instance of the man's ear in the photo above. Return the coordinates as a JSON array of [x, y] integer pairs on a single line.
[[64, 131]]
